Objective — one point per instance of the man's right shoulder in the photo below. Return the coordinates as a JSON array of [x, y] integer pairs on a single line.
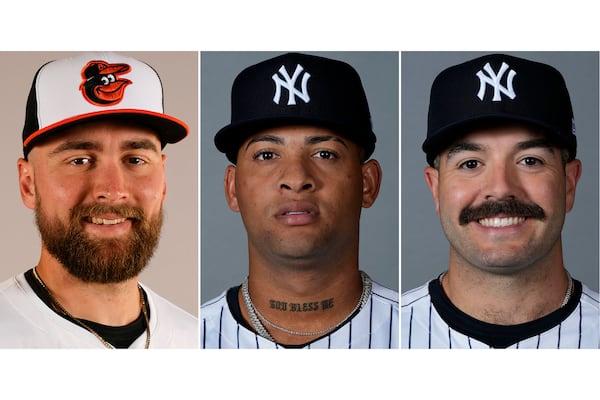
[[15, 289], [414, 295], [213, 306]]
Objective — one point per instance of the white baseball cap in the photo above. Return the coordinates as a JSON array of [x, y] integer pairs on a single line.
[[93, 86]]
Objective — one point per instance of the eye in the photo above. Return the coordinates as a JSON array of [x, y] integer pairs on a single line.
[[325, 155], [531, 161], [80, 161], [264, 155], [470, 164], [136, 160]]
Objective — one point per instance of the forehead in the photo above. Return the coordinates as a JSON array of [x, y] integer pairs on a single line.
[[292, 132], [102, 132], [495, 138]]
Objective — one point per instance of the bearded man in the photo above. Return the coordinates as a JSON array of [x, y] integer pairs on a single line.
[[93, 171]]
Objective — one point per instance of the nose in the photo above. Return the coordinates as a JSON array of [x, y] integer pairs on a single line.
[[109, 182], [502, 182], [297, 176]]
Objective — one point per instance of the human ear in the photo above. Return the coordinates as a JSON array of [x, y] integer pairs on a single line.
[[371, 173], [164, 192], [230, 192], [26, 183], [573, 171], [432, 180]]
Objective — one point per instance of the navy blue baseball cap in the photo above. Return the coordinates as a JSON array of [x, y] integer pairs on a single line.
[[497, 89], [297, 88]]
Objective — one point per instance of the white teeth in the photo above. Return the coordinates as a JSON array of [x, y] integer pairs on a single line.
[[102, 221], [501, 222], [295, 212]]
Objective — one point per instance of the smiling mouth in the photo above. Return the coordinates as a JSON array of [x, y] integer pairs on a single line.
[[501, 222], [499, 214], [104, 221]]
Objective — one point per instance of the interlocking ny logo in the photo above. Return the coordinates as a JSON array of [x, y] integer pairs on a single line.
[[493, 80], [290, 84]]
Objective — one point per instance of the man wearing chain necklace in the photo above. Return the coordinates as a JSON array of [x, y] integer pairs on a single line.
[[93, 171], [503, 172], [300, 141]]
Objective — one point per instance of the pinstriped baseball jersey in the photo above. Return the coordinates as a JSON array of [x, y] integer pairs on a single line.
[[430, 320], [375, 326]]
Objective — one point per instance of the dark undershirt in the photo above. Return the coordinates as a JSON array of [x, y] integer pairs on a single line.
[[498, 336], [121, 337]]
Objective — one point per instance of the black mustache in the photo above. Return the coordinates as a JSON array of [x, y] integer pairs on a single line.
[[509, 207]]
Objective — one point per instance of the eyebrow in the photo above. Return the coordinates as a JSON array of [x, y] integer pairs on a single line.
[[524, 145], [309, 140], [76, 145], [326, 138], [536, 143], [265, 138], [143, 144], [91, 145], [463, 146]]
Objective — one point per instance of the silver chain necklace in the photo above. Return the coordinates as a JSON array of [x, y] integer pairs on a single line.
[[569, 290], [85, 326], [256, 316]]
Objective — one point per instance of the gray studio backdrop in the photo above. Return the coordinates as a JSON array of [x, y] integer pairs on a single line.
[[173, 271], [424, 247], [224, 260]]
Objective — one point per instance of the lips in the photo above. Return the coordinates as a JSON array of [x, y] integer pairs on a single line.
[[107, 225], [106, 221], [501, 222], [297, 213], [501, 213], [107, 218]]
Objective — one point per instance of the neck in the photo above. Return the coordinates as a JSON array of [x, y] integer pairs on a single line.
[[306, 300], [114, 304], [506, 298]]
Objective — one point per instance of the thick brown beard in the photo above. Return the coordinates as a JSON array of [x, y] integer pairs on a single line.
[[100, 260]]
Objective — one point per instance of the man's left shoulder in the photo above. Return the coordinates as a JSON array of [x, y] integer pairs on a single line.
[[590, 296], [384, 294], [174, 327]]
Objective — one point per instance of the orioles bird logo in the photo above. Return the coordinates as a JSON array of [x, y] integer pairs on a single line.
[[102, 84]]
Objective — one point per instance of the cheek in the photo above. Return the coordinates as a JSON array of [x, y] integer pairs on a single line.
[[151, 190], [346, 193], [549, 194], [455, 197], [249, 191], [60, 191], [56, 199]]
